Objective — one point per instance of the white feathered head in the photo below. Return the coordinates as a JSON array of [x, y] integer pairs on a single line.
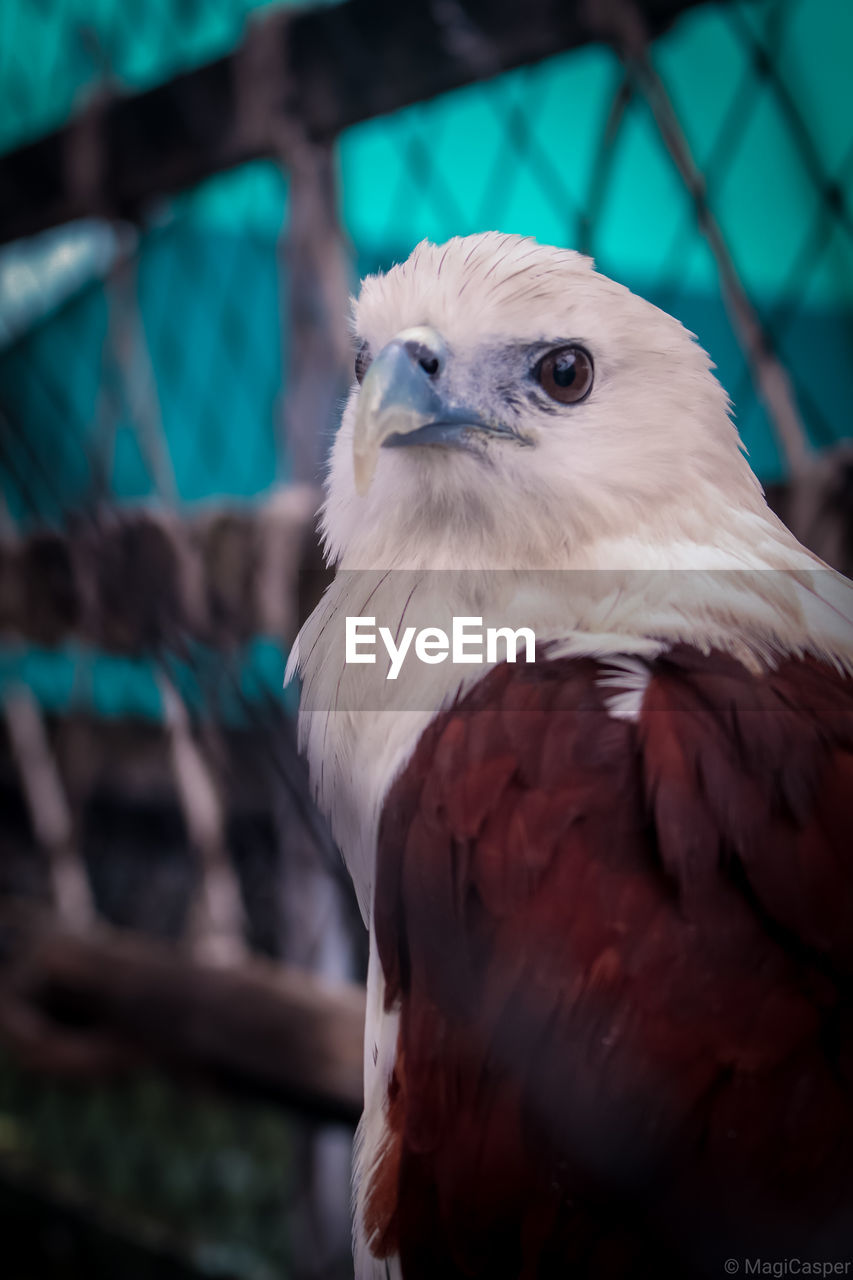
[[512, 405]]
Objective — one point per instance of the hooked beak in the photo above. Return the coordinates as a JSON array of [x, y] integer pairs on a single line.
[[401, 403]]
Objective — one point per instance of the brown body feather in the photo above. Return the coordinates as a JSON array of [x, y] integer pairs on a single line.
[[623, 957]]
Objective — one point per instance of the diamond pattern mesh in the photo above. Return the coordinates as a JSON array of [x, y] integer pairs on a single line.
[[188, 347]]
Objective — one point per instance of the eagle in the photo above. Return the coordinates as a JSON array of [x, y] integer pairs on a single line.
[[609, 892]]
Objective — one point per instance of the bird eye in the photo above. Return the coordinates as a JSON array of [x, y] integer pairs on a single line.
[[566, 374], [362, 362]]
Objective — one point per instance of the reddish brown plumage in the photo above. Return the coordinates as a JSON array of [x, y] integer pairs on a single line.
[[623, 955]]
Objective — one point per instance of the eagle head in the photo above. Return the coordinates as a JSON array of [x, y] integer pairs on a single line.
[[513, 406]]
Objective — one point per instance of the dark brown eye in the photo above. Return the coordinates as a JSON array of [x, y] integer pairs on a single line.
[[362, 362], [566, 374]]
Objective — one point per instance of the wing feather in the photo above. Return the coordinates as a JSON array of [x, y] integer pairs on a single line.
[[621, 950]]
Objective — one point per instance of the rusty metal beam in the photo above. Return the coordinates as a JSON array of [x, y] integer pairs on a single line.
[[318, 70]]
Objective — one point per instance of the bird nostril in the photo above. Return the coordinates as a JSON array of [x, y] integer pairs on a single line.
[[425, 356]]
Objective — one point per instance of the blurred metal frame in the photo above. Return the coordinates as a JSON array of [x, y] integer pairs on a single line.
[[320, 70]]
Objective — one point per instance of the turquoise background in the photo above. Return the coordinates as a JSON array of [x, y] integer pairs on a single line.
[[517, 153]]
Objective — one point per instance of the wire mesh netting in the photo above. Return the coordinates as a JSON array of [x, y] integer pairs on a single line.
[[148, 363], [564, 150], [55, 52]]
